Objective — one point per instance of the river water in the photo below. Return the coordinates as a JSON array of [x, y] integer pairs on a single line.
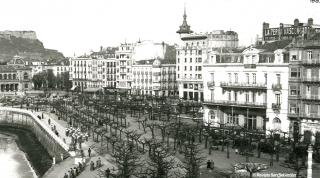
[[13, 162]]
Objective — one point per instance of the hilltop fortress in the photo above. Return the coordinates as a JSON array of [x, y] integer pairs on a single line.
[[18, 34]]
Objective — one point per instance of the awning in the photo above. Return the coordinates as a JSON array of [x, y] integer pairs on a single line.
[[73, 88], [93, 90]]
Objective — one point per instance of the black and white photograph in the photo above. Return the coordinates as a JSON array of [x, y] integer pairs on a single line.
[[160, 89]]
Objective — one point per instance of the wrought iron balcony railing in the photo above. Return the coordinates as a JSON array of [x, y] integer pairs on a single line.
[[276, 106], [243, 85], [276, 87], [236, 103]]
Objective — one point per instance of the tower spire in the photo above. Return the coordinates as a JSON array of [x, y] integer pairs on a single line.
[[184, 28]]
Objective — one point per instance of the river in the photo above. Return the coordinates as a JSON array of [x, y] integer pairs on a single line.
[[13, 162]]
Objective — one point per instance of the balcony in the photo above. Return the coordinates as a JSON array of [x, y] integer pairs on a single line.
[[311, 62], [310, 115], [191, 79], [310, 79], [293, 114], [243, 85], [276, 106], [276, 87], [236, 103], [211, 84], [249, 66]]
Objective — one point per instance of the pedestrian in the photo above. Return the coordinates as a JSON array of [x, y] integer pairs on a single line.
[[108, 173], [69, 174], [42, 115], [65, 175], [208, 164], [72, 173], [54, 127], [80, 166], [99, 162], [89, 152], [64, 140], [49, 121], [67, 131], [91, 166], [212, 164], [75, 170]]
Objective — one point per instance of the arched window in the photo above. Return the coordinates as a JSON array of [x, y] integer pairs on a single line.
[[276, 123], [25, 76], [14, 76], [9, 76], [5, 76], [0, 76], [211, 115]]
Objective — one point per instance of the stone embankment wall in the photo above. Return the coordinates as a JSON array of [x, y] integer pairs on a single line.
[[19, 34], [26, 119]]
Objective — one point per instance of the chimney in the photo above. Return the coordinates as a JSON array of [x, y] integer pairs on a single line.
[[100, 48], [296, 22], [310, 21], [265, 25]]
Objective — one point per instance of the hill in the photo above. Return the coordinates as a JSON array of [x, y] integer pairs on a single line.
[[28, 48]]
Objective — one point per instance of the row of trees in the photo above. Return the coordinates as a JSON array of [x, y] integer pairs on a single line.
[[46, 79], [107, 121]]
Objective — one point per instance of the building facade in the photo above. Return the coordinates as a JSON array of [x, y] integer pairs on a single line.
[[247, 89], [124, 66], [304, 90], [192, 50], [15, 76]]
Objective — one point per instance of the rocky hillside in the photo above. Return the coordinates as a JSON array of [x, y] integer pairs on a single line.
[[29, 49]]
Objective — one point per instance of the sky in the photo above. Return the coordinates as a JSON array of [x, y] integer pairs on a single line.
[[79, 26]]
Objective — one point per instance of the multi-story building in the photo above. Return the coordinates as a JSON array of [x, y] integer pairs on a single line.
[[142, 79], [15, 76], [304, 90], [192, 51], [124, 66], [56, 68], [247, 88], [287, 31], [93, 72]]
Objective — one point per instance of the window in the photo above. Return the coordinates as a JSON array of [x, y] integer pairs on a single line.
[[294, 90], [268, 59], [247, 96], [178, 68], [309, 55], [235, 96], [211, 115], [190, 68], [229, 96], [265, 78], [233, 119], [253, 97], [178, 59], [212, 95], [294, 108], [276, 123], [254, 77], [247, 78], [185, 68], [185, 86], [230, 77], [178, 76], [307, 108], [278, 99], [200, 51], [309, 73], [235, 78], [26, 85], [295, 72], [278, 79], [293, 57], [190, 60], [25, 76], [212, 77], [199, 68], [308, 90], [251, 122], [185, 60]]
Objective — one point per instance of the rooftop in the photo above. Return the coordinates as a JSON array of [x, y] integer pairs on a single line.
[[271, 47]]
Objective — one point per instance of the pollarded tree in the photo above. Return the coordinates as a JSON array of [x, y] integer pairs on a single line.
[[193, 160], [128, 160]]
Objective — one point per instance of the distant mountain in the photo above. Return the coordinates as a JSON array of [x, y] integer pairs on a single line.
[[26, 46]]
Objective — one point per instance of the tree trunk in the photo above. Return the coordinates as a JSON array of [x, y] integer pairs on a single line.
[[271, 159], [228, 150]]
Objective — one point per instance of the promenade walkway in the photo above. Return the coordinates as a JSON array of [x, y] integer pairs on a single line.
[[61, 168]]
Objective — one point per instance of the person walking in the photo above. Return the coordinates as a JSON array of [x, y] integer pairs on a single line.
[[65, 175], [80, 166], [99, 162], [91, 166], [72, 173], [75, 170], [212, 164], [49, 121], [42, 115], [108, 173], [89, 152], [208, 164]]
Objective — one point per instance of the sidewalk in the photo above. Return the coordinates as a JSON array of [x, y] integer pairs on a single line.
[[61, 168]]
